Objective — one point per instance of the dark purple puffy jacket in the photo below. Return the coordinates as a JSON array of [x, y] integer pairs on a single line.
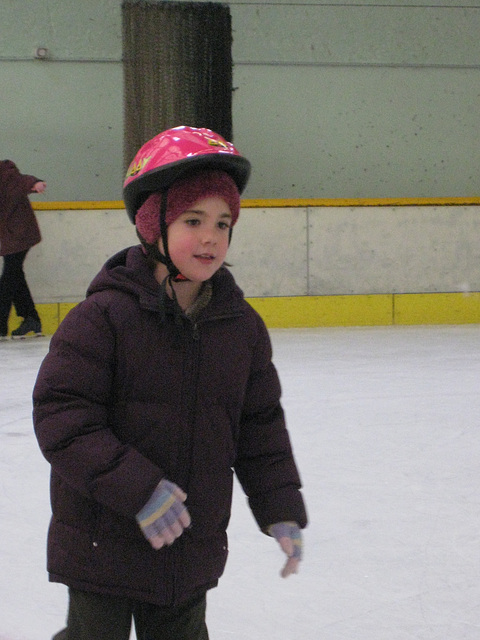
[[123, 399]]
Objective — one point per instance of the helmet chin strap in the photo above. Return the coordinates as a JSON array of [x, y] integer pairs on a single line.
[[174, 273]]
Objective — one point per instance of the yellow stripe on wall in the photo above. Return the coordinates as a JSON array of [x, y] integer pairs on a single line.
[[334, 311], [437, 308], [369, 310], [324, 311], [266, 203]]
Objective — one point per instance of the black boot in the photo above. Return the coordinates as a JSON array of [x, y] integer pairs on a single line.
[[28, 326]]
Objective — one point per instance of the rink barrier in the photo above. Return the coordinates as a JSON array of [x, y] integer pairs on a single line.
[[278, 311], [333, 311]]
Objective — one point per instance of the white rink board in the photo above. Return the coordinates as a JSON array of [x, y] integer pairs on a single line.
[[286, 251]]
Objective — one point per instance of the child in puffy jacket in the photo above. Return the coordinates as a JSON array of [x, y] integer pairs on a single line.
[[156, 389]]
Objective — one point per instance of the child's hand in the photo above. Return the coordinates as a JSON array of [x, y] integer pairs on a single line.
[[289, 537], [164, 517]]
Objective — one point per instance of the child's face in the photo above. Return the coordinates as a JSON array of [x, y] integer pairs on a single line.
[[198, 239]]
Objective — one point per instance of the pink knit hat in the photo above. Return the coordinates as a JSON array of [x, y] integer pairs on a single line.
[[181, 195]]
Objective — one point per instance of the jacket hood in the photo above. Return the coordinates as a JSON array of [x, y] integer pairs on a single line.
[[128, 271]]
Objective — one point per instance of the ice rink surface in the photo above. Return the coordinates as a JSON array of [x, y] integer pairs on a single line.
[[385, 427]]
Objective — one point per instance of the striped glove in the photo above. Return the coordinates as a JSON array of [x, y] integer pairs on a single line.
[[165, 516], [289, 537]]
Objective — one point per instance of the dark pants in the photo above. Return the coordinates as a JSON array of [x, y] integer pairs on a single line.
[[14, 290], [92, 616]]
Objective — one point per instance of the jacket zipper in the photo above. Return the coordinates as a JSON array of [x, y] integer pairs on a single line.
[[192, 352], [192, 356]]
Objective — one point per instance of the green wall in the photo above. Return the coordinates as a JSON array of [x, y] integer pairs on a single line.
[[331, 99]]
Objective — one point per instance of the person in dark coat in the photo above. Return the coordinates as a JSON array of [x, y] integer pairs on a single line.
[[19, 232], [157, 388]]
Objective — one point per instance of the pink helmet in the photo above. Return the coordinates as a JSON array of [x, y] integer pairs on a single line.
[[171, 154]]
